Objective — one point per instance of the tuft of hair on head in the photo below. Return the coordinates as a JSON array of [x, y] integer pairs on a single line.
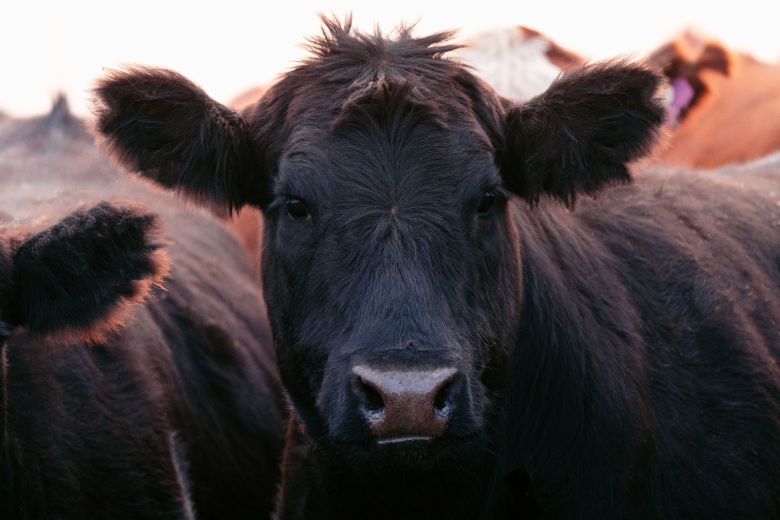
[[78, 279], [339, 37], [342, 53]]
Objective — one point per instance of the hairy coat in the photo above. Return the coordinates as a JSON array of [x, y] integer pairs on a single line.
[[170, 409], [457, 337]]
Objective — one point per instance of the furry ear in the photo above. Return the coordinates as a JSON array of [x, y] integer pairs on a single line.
[[580, 134], [77, 278], [161, 125], [680, 58], [715, 57]]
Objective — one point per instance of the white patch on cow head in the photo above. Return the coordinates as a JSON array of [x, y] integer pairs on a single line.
[[514, 64]]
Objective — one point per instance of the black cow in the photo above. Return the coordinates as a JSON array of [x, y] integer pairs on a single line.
[[175, 414], [456, 341]]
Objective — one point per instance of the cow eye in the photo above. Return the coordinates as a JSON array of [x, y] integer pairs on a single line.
[[486, 202], [297, 209]]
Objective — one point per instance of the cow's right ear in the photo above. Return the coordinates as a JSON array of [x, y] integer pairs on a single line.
[[161, 125], [76, 279]]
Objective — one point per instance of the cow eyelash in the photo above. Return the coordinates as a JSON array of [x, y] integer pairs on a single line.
[[297, 208], [501, 192], [489, 197]]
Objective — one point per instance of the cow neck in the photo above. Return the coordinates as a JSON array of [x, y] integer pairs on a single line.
[[334, 490], [578, 341]]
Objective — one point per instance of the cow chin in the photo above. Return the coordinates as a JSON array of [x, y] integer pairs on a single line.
[[353, 444], [410, 454]]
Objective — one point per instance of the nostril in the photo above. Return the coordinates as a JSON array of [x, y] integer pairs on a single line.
[[442, 403], [401, 405], [373, 403]]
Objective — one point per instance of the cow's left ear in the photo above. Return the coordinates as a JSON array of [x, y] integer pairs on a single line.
[[580, 134], [159, 124], [77, 279]]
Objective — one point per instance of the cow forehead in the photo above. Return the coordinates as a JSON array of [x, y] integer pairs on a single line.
[[390, 148], [374, 168]]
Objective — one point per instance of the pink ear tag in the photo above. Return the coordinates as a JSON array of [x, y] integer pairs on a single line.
[[683, 95]]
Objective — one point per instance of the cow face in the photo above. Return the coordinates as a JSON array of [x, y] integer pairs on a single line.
[[392, 264], [387, 253], [75, 279]]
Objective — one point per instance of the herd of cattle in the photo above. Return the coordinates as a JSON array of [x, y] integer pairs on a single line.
[[493, 286]]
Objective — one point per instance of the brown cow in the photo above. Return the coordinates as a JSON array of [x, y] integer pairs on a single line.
[[727, 106], [247, 97]]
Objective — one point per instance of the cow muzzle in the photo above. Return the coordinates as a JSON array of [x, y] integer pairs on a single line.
[[412, 405]]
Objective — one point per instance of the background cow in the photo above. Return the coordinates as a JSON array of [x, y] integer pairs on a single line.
[[518, 62], [731, 103], [178, 413], [723, 105], [455, 340], [74, 281]]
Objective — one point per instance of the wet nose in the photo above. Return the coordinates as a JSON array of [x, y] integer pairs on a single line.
[[406, 405]]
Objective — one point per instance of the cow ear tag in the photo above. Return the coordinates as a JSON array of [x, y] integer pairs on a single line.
[[682, 96]]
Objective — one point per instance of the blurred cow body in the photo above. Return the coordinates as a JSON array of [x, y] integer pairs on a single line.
[[733, 114], [247, 97], [518, 62], [175, 414]]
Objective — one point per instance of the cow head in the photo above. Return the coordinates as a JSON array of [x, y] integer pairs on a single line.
[[388, 176], [75, 279], [686, 62]]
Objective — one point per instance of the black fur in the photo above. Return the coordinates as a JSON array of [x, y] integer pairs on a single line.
[[171, 409], [158, 122], [617, 360], [72, 276]]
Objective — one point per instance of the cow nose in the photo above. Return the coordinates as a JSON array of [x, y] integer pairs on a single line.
[[406, 405]]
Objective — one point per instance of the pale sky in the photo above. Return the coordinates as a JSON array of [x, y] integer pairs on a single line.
[[227, 46]]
